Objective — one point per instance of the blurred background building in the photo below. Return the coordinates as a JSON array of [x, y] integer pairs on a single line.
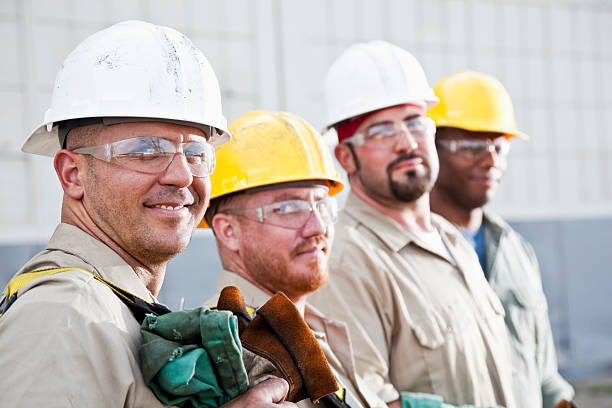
[[553, 56]]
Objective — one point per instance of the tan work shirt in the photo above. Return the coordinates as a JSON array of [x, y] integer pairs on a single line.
[[68, 341], [332, 336], [419, 321]]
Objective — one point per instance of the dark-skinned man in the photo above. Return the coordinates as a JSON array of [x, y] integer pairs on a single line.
[[475, 124]]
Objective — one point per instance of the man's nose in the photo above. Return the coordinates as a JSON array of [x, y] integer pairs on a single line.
[[405, 140], [178, 172], [492, 157], [315, 224]]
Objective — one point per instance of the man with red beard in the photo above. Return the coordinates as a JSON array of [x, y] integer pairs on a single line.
[[475, 121], [421, 315], [272, 213]]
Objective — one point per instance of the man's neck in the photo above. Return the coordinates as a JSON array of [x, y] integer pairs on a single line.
[[464, 218], [414, 216], [152, 276], [152, 279]]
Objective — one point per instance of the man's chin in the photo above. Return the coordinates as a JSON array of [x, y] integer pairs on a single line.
[[409, 194], [307, 290], [172, 244], [316, 278], [478, 200]]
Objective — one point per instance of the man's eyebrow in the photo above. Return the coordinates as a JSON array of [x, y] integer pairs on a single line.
[[384, 122], [194, 138], [412, 116], [288, 196]]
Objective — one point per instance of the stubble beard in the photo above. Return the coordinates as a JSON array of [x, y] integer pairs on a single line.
[[140, 240]]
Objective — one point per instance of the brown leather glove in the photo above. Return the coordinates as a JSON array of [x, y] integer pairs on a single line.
[[280, 335], [565, 404]]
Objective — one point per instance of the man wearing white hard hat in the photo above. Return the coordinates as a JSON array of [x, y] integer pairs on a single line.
[[422, 317], [135, 113]]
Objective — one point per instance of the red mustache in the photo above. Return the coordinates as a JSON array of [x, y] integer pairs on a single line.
[[310, 243]]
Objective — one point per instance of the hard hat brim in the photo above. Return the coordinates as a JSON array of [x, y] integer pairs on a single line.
[[45, 142]]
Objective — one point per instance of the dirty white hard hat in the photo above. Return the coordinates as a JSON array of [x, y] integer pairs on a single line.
[[371, 76], [128, 72]]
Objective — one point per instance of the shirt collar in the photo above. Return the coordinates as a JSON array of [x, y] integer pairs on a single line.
[[494, 221], [384, 227], [392, 233], [254, 296], [104, 262]]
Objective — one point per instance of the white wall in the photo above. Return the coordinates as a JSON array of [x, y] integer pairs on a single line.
[[555, 58]]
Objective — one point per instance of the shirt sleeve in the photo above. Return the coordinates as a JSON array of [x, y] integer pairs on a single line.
[[554, 386], [61, 348], [359, 298]]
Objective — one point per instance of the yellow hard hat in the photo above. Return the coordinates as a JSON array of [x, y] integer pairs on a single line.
[[476, 102], [270, 148]]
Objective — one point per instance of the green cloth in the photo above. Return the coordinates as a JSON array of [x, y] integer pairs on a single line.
[[193, 358], [421, 400]]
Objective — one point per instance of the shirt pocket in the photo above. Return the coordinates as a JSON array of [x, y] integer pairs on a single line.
[[429, 330], [521, 311], [443, 336], [434, 328]]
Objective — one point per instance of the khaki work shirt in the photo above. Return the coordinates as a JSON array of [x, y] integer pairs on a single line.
[[419, 322], [332, 336], [68, 341], [514, 274]]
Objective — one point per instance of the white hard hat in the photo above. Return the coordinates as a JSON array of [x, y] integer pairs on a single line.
[[371, 76], [130, 71]]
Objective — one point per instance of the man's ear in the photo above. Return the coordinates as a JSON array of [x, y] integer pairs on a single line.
[[227, 230], [345, 158], [70, 173]]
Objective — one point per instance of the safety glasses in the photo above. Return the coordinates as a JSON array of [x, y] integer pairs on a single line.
[[292, 214], [148, 154], [476, 149], [387, 133]]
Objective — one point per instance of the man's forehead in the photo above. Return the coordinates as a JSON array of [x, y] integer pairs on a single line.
[[459, 134], [394, 113], [166, 130], [301, 190]]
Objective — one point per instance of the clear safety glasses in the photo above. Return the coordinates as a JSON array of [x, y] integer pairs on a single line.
[[150, 154], [387, 133], [292, 214], [476, 149]]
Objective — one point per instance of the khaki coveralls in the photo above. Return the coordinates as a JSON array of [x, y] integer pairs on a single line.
[[419, 321], [68, 341], [332, 336]]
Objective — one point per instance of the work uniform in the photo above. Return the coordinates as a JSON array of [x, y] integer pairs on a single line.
[[68, 340], [514, 275], [332, 337], [420, 321]]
